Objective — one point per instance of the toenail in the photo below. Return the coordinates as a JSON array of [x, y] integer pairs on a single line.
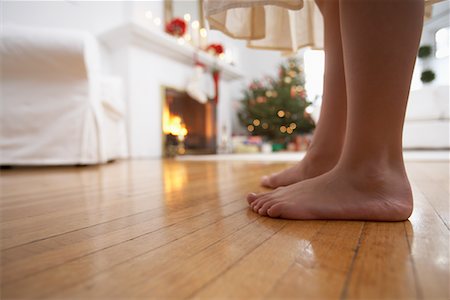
[[251, 196]]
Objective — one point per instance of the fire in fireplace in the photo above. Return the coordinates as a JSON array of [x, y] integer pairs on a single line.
[[189, 127]]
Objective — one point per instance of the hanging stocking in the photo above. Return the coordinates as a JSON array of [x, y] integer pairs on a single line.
[[216, 78], [195, 85]]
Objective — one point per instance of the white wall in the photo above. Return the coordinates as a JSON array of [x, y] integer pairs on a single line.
[[92, 16]]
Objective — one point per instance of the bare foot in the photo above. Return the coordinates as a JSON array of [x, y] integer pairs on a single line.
[[312, 165], [367, 195]]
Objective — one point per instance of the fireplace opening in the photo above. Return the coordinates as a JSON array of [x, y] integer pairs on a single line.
[[189, 127]]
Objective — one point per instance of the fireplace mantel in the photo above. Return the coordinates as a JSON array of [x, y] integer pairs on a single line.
[[163, 44], [147, 60]]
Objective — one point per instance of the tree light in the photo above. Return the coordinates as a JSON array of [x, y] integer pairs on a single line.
[[157, 21], [148, 14], [309, 109], [203, 32], [195, 24]]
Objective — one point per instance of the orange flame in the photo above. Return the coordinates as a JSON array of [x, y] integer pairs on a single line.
[[173, 124]]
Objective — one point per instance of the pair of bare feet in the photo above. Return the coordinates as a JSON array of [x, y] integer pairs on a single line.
[[354, 168], [319, 188]]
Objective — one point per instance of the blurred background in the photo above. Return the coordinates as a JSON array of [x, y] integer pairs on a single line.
[[89, 82]]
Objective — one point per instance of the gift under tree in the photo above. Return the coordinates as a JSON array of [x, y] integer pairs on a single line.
[[275, 108]]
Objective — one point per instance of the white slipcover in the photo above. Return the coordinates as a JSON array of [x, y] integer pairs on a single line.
[[56, 108], [427, 123]]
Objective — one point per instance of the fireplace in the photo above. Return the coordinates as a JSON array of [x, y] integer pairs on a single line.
[[189, 127]]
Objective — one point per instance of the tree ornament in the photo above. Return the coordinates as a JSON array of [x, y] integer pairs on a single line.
[[293, 91], [261, 99], [302, 94]]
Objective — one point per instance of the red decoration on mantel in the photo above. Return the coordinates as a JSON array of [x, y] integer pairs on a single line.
[[215, 49], [176, 27]]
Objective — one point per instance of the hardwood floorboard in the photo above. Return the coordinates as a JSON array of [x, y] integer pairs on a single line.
[[110, 208], [434, 182], [321, 264], [171, 229], [429, 239], [269, 256], [161, 245], [199, 258], [382, 268], [26, 260]]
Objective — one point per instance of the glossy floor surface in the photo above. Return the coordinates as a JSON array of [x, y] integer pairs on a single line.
[[173, 229]]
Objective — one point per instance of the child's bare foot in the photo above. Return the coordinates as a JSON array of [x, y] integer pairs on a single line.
[[312, 165], [370, 194]]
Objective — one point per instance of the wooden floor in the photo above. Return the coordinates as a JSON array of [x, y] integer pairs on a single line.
[[170, 229]]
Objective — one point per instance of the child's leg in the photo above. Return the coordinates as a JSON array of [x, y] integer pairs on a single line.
[[326, 146], [380, 41]]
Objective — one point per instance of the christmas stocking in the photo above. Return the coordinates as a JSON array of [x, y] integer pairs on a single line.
[[195, 85]]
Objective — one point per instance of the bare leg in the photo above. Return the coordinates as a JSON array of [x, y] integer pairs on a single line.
[[326, 146], [380, 41]]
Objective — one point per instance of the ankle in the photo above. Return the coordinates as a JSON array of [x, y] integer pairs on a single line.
[[322, 156], [386, 185], [377, 177]]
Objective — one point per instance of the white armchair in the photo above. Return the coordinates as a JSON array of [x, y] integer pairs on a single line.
[[56, 107]]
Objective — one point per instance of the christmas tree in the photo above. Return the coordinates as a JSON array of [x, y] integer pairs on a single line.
[[275, 108]]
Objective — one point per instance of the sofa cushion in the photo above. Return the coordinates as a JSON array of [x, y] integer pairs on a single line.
[[428, 103], [426, 135]]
